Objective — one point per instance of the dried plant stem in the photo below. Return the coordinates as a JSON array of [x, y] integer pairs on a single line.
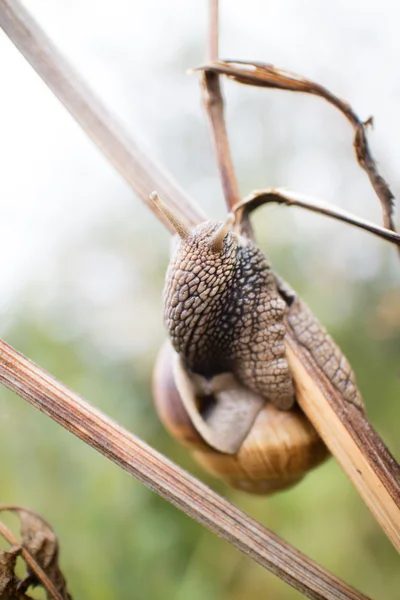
[[291, 198], [198, 501], [351, 439], [213, 30], [142, 173], [214, 106], [31, 562]]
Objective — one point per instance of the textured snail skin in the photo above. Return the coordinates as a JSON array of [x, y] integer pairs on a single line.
[[223, 313], [325, 354]]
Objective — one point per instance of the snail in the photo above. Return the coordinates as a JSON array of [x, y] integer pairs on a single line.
[[222, 384]]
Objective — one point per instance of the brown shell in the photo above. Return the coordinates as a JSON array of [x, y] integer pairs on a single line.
[[281, 447]]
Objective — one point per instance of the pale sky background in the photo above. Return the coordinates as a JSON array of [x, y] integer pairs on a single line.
[[60, 198]]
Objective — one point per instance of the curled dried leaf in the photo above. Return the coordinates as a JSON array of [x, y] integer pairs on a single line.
[[265, 75], [41, 542], [8, 580], [39, 549]]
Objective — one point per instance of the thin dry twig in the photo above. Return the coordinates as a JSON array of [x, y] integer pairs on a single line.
[[214, 106], [198, 501], [291, 198], [264, 75], [141, 172]]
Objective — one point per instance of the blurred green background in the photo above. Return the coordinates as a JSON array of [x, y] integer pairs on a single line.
[[81, 286]]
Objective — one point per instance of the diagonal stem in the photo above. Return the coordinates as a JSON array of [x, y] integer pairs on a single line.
[[349, 436], [168, 480], [142, 173]]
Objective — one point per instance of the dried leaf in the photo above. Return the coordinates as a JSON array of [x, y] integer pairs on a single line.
[[41, 542], [8, 580], [39, 548]]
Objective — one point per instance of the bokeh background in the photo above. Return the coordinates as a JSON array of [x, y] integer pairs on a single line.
[[83, 265]]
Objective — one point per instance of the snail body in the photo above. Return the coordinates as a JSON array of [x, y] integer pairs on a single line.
[[223, 312]]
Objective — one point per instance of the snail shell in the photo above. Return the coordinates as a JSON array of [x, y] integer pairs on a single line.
[[265, 450]]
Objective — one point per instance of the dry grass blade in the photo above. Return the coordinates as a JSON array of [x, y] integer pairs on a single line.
[[166, 479], [264, 75], [353, 442], [347, 432], [141, 172], [213, 104], [291, 198], [214, 107]]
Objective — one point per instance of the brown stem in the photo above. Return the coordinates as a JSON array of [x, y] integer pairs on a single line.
[[198, 501], [31, 562], [213, 30], [350, 437], [290, 198], [142, 173], [214, 107]]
